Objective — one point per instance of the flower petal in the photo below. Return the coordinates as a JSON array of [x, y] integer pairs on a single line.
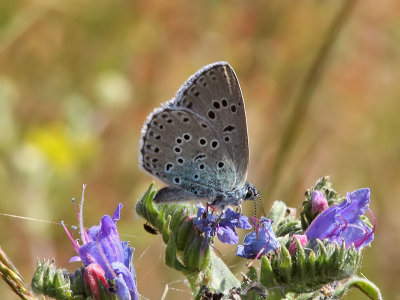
[[227, 235], [122, 292], [123, 273], [358, 202], [264, 240], [244, 222], [117, 213], [106, 246]]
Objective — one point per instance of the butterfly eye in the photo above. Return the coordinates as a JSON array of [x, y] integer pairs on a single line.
[[249, 194]]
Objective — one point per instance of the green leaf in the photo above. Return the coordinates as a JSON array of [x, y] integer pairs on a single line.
[[221, 276], [277, 213]]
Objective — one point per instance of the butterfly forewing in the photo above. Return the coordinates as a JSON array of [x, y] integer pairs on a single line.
[[214, 93]]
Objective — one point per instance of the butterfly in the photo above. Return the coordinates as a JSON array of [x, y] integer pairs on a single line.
[[197, 142]]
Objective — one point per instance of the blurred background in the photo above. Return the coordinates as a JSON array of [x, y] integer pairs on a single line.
[[320, 81]]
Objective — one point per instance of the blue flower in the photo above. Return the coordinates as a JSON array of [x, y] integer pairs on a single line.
[[101, 245], [205, 222], [259, 242], [342, 222], [223, 225]]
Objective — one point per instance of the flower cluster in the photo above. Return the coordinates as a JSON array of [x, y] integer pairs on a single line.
[[297, 255], [223, 225], [106, 258], [255, 244]]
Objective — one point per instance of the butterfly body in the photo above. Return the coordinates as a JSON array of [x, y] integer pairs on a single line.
[[197, 142]]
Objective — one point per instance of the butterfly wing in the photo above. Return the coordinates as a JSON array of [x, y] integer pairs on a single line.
[[197, 142], [214, 93]]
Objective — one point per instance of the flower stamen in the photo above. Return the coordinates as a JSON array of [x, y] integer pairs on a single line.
[[84, 235], [74, 243], [367, 235]]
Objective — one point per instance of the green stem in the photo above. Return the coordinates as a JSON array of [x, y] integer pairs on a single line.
[[363, 284], [303, 98], [11, 276]]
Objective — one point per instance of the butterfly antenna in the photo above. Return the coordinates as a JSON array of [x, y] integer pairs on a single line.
[[261, 204]]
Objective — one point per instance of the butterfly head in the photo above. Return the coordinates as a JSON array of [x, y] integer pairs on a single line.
[[251, 192]]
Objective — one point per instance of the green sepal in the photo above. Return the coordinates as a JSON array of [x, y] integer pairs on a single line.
[[62, 284], [77, 282], [171, 258], [321, 258], [38, 277], [267, 277], [145, 206], [252, 274], [50, 281], [48, 287], [184, 232], [164, 230], [285, 266], [197, 254], [301, 261]]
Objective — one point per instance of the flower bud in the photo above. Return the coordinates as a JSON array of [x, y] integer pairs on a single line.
[[293, 246], [94, 278], [318, 202]]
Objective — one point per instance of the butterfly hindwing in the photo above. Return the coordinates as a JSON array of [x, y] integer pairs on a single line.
[[182, 149]]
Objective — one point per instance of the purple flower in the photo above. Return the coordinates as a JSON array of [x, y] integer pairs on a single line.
[[259, 242], [102, 246], [342, 222], [205, 222], [318, 202], [223, 225]]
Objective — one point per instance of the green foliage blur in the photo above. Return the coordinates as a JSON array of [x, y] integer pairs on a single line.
[[78, 78]]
